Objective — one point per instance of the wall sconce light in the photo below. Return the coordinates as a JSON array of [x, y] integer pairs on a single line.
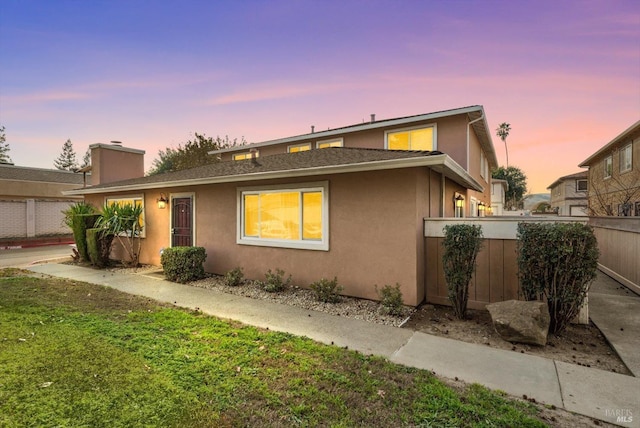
[[162, 202], [481, 208], [459, 201]]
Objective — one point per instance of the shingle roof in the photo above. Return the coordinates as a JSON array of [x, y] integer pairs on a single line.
[[301, 163], [22, 173], [577, 175]]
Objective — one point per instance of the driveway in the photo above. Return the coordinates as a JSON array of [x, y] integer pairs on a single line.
[[22, 257]]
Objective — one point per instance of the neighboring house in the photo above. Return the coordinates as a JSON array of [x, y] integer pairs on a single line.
[[569, 195], [614, 176], [498, 196], [32, 201], [347, 202]]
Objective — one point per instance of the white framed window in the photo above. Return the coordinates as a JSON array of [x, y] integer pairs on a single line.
[[608, 166], [289, 216], [417, 138], [626, 160], [581, 185], [245, 155], [299, 148], [484, 166], [135, 200], [339, 142]]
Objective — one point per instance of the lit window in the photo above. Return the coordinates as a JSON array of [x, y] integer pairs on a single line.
[[625, 158], [284, 217], [411, 139], [299, 148], [329, 143], [246, 155], [131, 200], [581, 185], [608, 166]]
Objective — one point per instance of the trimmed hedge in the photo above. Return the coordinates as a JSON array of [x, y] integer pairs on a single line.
[[99, 246], [183, 264]]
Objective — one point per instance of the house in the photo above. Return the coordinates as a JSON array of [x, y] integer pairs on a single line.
[[347, 202], [614, 176], [498, 196], [32, 201], [569, 195]]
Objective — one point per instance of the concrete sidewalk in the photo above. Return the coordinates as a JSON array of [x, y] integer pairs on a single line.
[[586, 391]]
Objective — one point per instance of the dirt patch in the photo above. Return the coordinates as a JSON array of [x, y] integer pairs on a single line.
[[578, 344]]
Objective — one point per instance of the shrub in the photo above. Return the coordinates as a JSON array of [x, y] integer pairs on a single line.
[[462, 243], [327, 291], [124, 222], [275, 282], [183, 264], [557, 262], [234, 277], [79, 217], [391, 299], [99, 246]]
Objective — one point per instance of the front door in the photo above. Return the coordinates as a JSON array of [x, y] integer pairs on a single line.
[[181, 222]]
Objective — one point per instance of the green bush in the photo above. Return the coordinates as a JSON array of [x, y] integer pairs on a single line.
[[557, 262], [462, 243], [275, 282], [391, 299], [79, 217], [327, 291], [183, 264], [99, 246], [234, 277]]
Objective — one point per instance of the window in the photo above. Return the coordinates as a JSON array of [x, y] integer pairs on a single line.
[[329, 143], [411, 139], [299, 148], [246, 155], [295, 217], [625, 158], [608, 166], [484, 166], [133, 200], [581, 185]]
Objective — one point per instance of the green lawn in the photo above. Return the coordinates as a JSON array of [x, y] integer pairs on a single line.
[[79, 355]]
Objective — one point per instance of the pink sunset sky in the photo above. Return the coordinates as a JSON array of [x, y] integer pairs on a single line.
[[564, 74]]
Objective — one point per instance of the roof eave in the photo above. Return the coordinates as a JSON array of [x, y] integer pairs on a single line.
[[449, 167]]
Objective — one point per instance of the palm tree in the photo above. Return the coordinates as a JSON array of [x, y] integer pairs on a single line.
[[503, 132]]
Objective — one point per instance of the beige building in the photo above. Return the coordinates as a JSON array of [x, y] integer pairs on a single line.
[[498, 196], [569, 195], [614, 176], [347, 202], [32, 201]]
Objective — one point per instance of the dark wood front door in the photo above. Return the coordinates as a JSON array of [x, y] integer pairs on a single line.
[[181, 222]]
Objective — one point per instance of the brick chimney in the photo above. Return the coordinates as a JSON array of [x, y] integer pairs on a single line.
[[112, 162]]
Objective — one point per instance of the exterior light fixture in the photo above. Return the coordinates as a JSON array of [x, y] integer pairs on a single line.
[[162, 202], [458, 202], [481, 208]]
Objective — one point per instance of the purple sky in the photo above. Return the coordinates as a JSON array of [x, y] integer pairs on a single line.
[[564, 74]]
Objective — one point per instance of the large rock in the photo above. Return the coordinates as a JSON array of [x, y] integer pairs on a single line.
[[519, 321]]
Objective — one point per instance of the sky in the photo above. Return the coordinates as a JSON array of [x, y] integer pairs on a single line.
[[564, 74]]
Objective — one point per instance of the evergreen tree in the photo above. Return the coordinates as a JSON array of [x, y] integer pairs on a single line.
[[4, 148], [67, 159], [86, 159], [517, 185]]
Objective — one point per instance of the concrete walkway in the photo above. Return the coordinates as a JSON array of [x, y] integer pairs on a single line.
[[586, 391]]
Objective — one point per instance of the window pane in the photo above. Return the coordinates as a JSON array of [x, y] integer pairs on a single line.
[[251, 215], [398, 141], [327, 144], [303, 148], [280, 215], [312, 215], [422, 139]]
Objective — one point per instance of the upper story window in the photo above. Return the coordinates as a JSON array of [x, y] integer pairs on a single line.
[[626, 158], [411, 139], [581, 185], [283, 216], [484, 166], [299, 148], [608, 166], [329, 143], [245, 155]]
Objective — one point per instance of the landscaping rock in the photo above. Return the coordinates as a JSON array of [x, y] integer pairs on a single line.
[[520, 321]]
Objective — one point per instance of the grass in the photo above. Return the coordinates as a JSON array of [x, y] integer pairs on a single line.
[[81, 355]]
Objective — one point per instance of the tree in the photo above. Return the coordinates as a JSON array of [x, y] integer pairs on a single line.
[[4, 148], [503, 132], [67, 159], [86, 159], [191, 154], [517, 185], [615, 195]]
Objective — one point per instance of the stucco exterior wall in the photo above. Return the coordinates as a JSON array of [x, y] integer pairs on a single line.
[[20, 189], [111, 163]]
